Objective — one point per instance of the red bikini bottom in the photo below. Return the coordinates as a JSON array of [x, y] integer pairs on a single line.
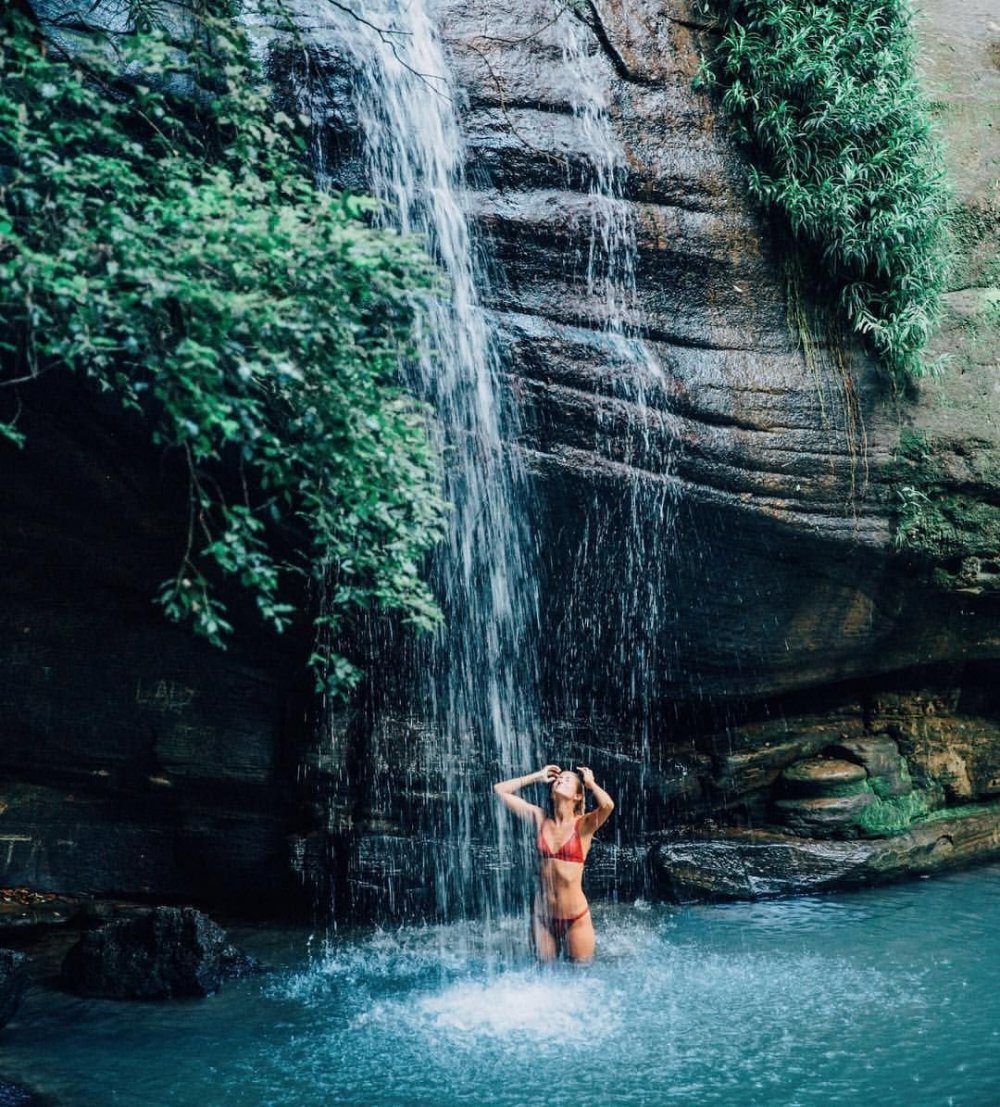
[[559, 927]]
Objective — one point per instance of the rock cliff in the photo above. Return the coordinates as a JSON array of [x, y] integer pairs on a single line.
[[748, 543], [745, 547], [762, 477]]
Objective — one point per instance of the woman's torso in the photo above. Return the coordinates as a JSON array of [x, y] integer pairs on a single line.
[[560, 875]]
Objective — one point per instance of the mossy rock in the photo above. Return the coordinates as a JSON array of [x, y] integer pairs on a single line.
[[888, 816], [824, 776], [824, 816], [888, 772]]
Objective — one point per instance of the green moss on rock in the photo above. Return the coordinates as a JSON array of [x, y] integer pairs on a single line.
[[947, 508], [892, 815]]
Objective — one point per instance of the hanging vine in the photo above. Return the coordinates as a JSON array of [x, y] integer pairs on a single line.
[[160, 234], [825, 97]]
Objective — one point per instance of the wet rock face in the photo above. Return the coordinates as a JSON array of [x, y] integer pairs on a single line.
[[729, 518], [13, 983], [938, 744], [166, 953], [899, 785], [750, 864], [713, 513]]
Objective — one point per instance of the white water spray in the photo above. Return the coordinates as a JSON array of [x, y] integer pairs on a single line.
[[611, 286]]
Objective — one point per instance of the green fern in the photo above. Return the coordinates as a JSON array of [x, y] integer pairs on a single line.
[[825, 98]]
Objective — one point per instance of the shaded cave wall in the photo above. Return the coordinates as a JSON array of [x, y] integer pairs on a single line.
[[135, 759]]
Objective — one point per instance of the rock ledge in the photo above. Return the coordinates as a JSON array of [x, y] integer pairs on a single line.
[[736, 863]]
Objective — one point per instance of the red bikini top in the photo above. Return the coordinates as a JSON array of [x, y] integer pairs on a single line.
[[570, 850]]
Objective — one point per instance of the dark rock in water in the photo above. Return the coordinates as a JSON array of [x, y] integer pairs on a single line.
[[13, 982], [165, 953], [237, 963], [14, 1095], [754, 864]]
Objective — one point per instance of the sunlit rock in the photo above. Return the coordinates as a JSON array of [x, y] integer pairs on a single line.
[[886, 767], [824, 776]]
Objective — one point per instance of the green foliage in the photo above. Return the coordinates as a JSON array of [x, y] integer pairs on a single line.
[[912, 515], [944, 512], [823, 93], [161, 236]]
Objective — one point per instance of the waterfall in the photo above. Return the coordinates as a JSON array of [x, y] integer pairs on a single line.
[[468, 705], [452, 712], [631, 643]]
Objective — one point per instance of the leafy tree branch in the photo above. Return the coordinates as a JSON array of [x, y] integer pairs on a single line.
[[161, 236]]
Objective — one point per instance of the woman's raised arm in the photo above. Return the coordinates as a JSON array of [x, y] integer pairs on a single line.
[[507, 789], [605, 804]]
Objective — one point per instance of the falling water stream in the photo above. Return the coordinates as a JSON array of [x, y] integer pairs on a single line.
[[637, 532], [471, 704], [469, 708], [472, 699]]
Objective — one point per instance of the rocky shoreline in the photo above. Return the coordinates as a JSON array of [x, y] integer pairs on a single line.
[[740, 863]]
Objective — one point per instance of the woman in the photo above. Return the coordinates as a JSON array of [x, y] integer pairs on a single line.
[[561, 917]]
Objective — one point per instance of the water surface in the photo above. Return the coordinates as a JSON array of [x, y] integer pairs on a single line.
[[888, 996]]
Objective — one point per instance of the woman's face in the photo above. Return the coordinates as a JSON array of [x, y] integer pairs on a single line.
[[567, 784]]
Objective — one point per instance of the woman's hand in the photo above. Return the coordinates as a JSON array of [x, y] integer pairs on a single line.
[[550, 772], [586, 775]]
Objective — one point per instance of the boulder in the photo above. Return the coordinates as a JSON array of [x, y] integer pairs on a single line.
[[166, 953], [824, 776], [823, 797], [746, 771], [824, 816], [886, 767], [15, 1095], [13, 982]]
